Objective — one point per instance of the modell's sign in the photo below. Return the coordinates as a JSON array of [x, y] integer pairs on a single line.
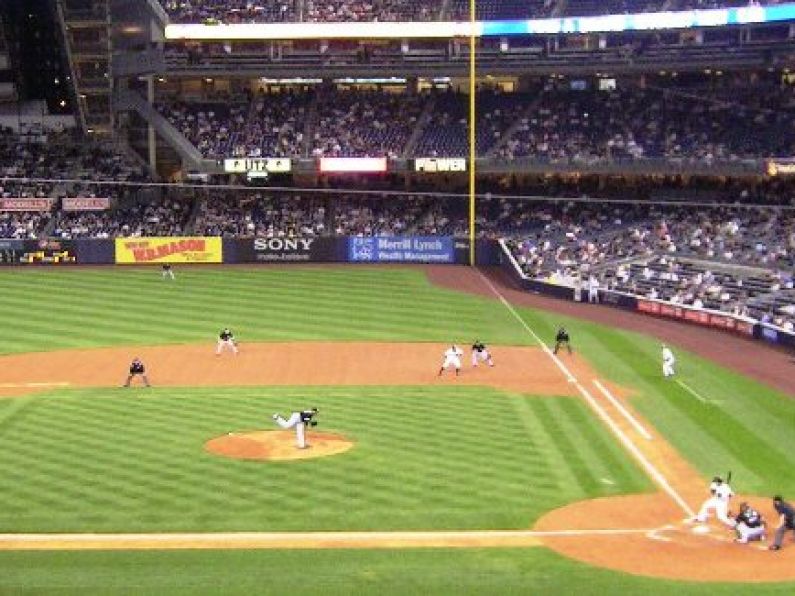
[[698, 316], [85, 204], [283, 249], [143, 251], [25, 204], [440, 164], [271, 165]]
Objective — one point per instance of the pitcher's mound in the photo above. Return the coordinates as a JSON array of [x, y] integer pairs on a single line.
[[273, 445]]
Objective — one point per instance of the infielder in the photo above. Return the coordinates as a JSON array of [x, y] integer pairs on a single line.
[[720, 494], [226, 339], [480, 352], [137, 369], [299, 421], [668, 361], [452, 357], [750, 525]]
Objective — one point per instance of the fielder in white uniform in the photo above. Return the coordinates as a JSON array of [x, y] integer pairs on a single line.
[[226, 339], [750, 525], [720, 495], [668, 361], [299, 421], [452, 357], [481, 353]]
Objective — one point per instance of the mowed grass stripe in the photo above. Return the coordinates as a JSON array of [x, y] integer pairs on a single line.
[[121, 304], [126, 463]]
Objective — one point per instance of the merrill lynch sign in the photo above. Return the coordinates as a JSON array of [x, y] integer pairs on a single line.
[[401, 249]]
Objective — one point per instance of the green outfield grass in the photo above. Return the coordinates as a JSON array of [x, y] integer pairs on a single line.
[[132, 460]]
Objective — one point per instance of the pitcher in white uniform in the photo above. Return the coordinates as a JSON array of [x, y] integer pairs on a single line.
[[299, 421]]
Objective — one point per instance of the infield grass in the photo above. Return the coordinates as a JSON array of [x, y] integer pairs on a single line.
[[425, 458]]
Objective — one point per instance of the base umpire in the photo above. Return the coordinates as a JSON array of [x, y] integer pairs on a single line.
[[562, 339]]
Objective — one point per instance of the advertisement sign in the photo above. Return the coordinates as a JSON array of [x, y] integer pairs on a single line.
[[37, 252], [143, 251], [248, 165], [25, 204], [405, 249], [353, 164], [440, 164], [700, 317], [85, 204], [274, 250], [780, 167]]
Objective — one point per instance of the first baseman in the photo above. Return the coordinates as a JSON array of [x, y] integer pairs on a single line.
[[481, 352], [720, 494], [226, 339], [452, 357]]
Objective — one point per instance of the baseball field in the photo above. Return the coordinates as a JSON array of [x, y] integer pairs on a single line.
[[542, 474]]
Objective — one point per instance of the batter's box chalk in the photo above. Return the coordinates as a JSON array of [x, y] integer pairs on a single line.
[[701, 529]]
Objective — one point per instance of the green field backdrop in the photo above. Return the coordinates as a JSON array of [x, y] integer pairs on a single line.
[[426, 457]]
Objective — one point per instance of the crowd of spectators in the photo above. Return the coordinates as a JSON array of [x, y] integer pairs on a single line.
[[698, 123], [365, 123], [275, 11], [164, 217], [261, 215], [230, 11], [677, 123]]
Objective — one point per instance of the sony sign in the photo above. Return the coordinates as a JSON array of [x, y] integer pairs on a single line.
[[440, 164], [283, 249]]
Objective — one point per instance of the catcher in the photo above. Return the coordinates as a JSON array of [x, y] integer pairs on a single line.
[[750, 525], [226, 339]]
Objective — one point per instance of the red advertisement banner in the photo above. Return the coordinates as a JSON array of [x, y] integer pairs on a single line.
[[25, 204], [699, 317], [85, 204]]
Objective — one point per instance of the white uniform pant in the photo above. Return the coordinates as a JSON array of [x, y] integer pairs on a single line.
[[668, 368], [453, 361], [168, 273], [721, 508], [483, 356], [300, 428], [593, 295], [748, 534], [225, 343]]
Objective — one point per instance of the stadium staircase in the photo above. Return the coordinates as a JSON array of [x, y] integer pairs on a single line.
[[130, 100], [422, 122], [511, 130], [311, 124]]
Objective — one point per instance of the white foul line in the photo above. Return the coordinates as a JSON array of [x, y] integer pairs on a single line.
[[692, 392], [653, 472], [624, 412]]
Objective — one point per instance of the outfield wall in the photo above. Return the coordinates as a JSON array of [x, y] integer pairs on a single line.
[[197, 249]]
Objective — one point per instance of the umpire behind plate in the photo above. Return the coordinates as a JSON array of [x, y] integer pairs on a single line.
[[562, 339]]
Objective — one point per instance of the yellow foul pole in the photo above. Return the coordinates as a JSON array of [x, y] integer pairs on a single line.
[[472, 144]]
